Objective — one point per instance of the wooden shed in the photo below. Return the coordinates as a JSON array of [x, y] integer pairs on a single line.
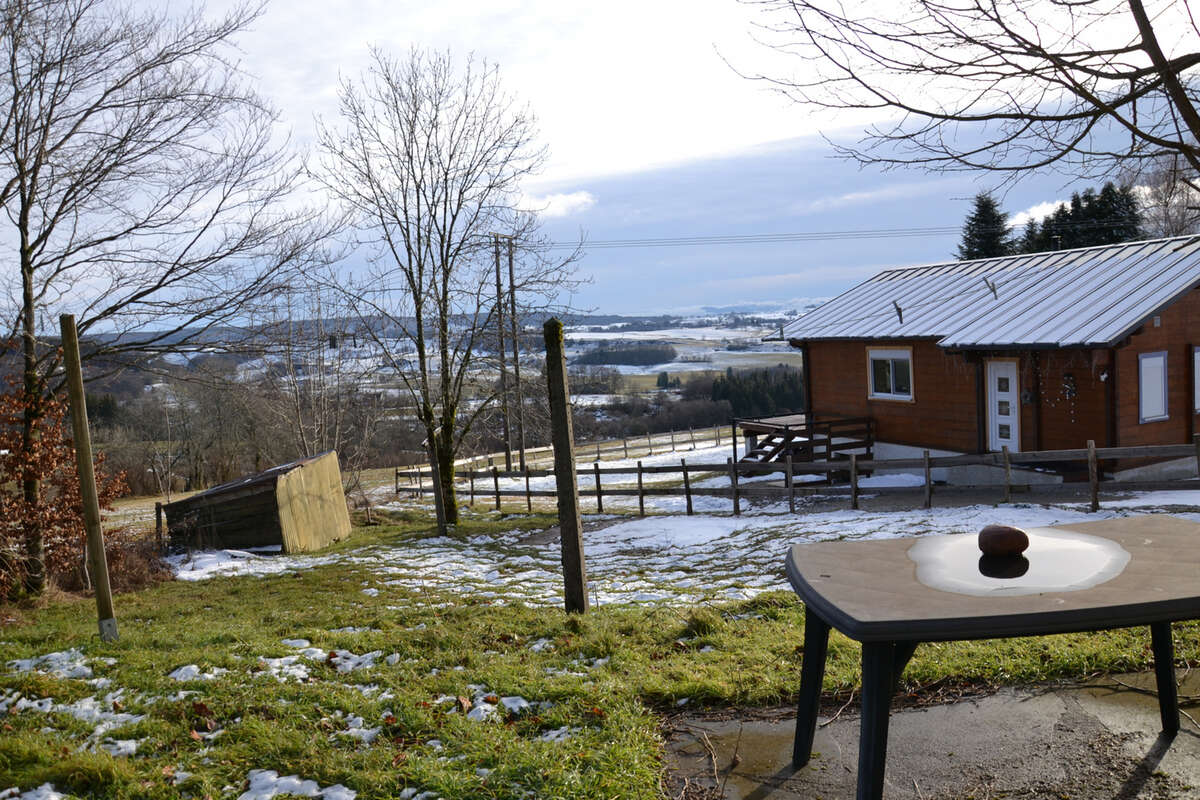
[[299, 506]]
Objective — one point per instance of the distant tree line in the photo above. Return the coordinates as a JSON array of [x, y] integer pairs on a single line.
[[1092, 218], [761, 392], [636, 355]]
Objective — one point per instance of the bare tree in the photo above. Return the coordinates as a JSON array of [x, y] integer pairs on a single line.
[[1168, 196], [430, 155], [1003, 85], [142, 182]]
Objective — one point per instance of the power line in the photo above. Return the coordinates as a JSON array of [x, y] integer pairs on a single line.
[[809, 236]]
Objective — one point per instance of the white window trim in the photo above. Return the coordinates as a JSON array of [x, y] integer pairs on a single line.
[[1142, 358], [1196, 380], [904, 353]]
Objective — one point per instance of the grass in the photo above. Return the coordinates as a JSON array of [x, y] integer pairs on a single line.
[[605, 677]]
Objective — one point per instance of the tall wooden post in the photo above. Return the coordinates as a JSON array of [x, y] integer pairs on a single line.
[[562, 434], [496, 486], [87, 480], [733, 438]]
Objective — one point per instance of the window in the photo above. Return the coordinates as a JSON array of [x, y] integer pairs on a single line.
[[890, 374], [1196, 379], [1152, 386]]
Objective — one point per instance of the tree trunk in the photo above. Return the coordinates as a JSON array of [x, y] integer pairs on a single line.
[[35, 564], [445, 456]]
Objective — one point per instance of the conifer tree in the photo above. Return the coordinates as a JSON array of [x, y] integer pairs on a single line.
[[985, 233]]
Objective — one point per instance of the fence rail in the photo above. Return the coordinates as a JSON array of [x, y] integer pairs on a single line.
[[851, 468]]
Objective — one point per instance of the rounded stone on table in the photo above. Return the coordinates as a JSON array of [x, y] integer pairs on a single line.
[[1003, 540]]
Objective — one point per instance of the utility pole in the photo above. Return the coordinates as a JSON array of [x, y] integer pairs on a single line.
[[516, 343], [500, 352]]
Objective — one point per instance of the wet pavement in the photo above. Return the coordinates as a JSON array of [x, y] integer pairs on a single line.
[[1099, 741]]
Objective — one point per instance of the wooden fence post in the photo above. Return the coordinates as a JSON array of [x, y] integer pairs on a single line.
[[649, 444], [854, 481], [733, 438], [87, 480], [158, 525], [687, 485], [420, 483], [791, 486], [528, 499], [641, 492], [928, 481], [672, 440], [733, 482], [718, 427], [397, 480], [1007, 474], [562, 434], [692, 434], [496, 485], [599, 496], [597, 451], [1093, 475], [472, 473], [625, 444]]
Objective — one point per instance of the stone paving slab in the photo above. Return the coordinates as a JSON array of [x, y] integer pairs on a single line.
[[1095, 742]]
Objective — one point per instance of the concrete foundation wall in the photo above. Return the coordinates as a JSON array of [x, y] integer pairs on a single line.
[[959, 476]]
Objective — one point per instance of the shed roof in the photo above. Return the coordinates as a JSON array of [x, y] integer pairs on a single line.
[[1093, 297]]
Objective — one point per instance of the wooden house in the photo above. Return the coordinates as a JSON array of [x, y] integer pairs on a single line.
[[1030, 352], [298, 506]]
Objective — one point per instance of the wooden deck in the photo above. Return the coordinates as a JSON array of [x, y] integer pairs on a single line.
[[825, 438]]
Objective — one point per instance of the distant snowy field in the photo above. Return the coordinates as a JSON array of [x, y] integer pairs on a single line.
[[657, 559], [668, 335]]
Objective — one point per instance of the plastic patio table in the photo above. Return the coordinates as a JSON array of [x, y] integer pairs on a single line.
[[878, 592]]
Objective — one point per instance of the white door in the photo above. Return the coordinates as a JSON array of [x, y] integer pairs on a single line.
[[1003, 406]]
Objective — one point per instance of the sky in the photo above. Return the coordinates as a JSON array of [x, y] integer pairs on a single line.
[[652, 133]]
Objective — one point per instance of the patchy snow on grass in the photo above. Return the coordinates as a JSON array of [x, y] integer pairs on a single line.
[[191, 672], [100, 714], [267, 783], [64, 664], [44, 792], [674, 559]]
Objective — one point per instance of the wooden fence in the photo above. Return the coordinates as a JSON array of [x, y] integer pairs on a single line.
[[486, 483]]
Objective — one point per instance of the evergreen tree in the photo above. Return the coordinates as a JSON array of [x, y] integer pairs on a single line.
[[1110, 216], [985, 233]]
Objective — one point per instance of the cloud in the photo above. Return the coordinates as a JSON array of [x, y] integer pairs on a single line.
[[561, 204], [1034, 212], [867, 196]]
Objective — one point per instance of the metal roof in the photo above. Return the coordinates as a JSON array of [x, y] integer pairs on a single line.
[[1094, 297]]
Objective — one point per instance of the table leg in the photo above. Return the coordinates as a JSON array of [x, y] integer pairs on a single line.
[[1164, 674], [812, 675], [904, 653], [878, 665]]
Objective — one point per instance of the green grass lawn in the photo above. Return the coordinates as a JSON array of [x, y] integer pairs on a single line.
[[596, 684]]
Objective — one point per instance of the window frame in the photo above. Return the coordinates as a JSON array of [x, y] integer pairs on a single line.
[[1195, 380], [890, 354], [1143, 359]]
